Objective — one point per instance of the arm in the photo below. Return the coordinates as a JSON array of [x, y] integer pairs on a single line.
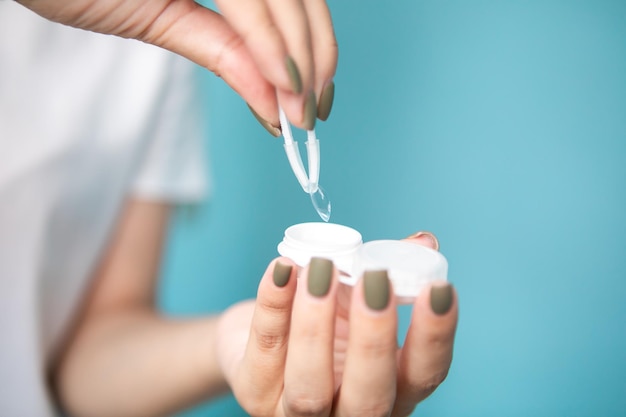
[[307, 346], [123, 359]]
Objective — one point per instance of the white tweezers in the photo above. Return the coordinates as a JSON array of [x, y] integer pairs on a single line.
[[309, 183]]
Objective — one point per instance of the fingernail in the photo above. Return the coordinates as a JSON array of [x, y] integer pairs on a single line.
[[274, 131], [294, 75], [376, 289], [320, 276], [281, 275], [310, 112], [326, 101], [441, 299], [430, 236]]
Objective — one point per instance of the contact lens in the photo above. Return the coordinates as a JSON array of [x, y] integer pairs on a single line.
[[320, 201]]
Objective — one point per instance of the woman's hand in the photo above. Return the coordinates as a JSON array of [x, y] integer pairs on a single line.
[[314, 347], [264, 49]]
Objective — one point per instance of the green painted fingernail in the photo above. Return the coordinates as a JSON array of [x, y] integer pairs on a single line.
[[376, 289], [281, 275], [274, 131], [294, 75], [320, 276], [310, 111], [441, 299], [326, 101]]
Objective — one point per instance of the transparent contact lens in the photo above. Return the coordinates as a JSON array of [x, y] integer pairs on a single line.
[[321, 203]]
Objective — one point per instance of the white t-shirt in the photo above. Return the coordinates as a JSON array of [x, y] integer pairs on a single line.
[[85, 121]]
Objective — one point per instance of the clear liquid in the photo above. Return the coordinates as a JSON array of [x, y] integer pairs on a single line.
[[321, 203]]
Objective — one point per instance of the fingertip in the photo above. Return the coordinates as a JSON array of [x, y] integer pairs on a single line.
[[424, 238], [376, 290], [441, 299], [301, 110], [320, 276], [277, 283], [291, 105], [373, 304], [437, 301], [325, 102], [282, 272], [272, 130]]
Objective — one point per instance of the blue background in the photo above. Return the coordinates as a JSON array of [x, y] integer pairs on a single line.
[[500, 126]]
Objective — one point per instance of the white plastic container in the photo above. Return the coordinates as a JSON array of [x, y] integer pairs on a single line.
[[410, 266]]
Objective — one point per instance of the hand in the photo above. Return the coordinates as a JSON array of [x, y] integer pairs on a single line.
[[264, 49], [313, 347]]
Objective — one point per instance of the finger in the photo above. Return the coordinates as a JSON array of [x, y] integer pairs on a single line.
[[369, 381], [427, 352], [292, 22], [309, 371], [425, 239], [204, 37], [325, 53], [278, 38], [262, 367], [300, 112], [342, 330], [253, 22], [292, 19], [318, 102]]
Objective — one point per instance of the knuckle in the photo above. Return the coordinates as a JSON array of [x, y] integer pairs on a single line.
[[306, 406], [223, 58], [376, 405], [253, 402], [274, 307], [382, 410], [254, 409], [440, 340], [265, 29], [270, 341], [377, 347], [427, 386]]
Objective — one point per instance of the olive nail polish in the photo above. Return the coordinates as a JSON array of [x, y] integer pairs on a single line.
[[441, 299], [294, 75], [376, 289], [326, 101], [274, 131], [320, 276], [281, 274], [310, 111]]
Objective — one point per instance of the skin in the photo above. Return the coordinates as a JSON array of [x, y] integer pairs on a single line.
[[247, 44], [287, 353], [123, 358]]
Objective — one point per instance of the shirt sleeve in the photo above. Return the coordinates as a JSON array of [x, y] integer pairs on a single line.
[[174, 165]]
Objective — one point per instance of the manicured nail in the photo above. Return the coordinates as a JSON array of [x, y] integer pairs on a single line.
[[310, 112], [274, 131], [326, 101], [320, 276], [441, 299], [428, 235], [281, 275], [376, 289], [294, 75]]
